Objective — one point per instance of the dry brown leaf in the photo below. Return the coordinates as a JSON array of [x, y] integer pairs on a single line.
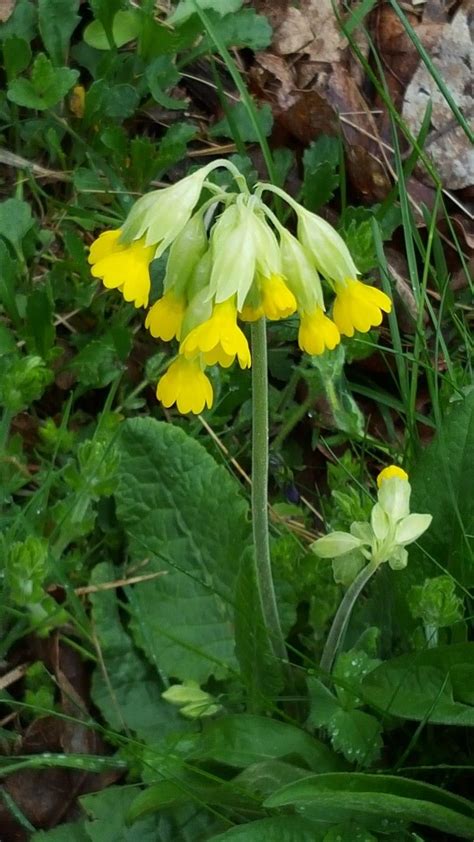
[[447, 143], [6, 8], [312, 28]]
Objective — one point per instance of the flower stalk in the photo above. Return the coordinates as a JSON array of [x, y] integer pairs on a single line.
[[343, 615], [263, 567]]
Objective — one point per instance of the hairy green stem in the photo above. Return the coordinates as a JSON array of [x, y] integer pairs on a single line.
[[343, 615], [260, 488]]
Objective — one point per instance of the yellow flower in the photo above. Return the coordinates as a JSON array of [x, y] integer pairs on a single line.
[[123, 267], [250, 313], [317, 332], [186, 385], [389, 472], [165, 318], [219, 339], [359, 306], [277, 300]]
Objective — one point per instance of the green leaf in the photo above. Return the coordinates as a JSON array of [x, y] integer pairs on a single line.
[[120, 101], [7, 340], [357, 231], [182, 510], [107, 811], [280, 829], [239, 116], [186, 8], [15, 221], [69, 832], [357, 735], [57, 21], [39, 315], [435, 602], [47, 87], [357, 794], [259, 669], [22, 21], [321, 172], [429, 685], [125, 28], [243, 29], [161, 74], [16, 56], [173, 146], [242, 739], [347, 415], [442, 486], [97, 364], [128, 694]]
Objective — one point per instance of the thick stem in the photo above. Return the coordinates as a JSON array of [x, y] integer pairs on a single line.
[[343, 615], [260, 488]]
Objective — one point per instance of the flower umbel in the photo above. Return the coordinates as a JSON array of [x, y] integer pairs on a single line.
[[185, 385], [231, 259]]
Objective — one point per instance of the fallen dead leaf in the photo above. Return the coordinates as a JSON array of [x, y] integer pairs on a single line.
[[447, 143]]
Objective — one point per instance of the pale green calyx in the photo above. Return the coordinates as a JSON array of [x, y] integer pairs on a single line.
[[193, 702]]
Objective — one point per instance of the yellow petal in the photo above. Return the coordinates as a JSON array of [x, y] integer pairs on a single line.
[[185, 385], [105, 244], [359, 306], [317, 333], [164, 320]]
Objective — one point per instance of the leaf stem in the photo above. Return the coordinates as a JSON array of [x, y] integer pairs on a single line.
[[343, 615], [260, 488]]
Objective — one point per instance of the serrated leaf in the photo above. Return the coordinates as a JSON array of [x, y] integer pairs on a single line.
[[323, 703], [357, 735], [183, 511], [125, 28], [186, 8], [173, 146], [239, 116], [321, 177], [57, 21], [47, 87], [358, 794], [429, 685], [15, 221]]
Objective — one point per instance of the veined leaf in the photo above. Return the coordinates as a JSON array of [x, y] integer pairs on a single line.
[[357, 795], [183, 512]]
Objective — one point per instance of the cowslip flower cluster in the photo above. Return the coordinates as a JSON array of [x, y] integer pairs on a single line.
[[230, 260], [385, 538]]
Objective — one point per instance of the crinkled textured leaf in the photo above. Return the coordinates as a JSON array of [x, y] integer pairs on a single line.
[[129, 694], [182, 510]]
